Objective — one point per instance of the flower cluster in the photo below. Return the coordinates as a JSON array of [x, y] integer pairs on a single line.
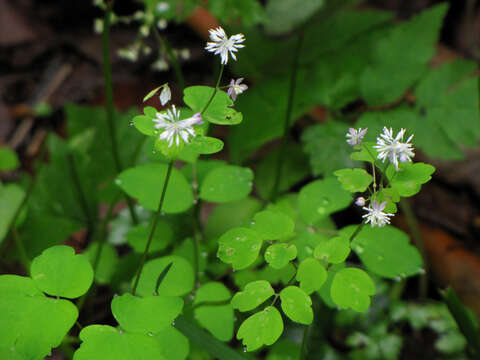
[[390, 147], [174, 129]]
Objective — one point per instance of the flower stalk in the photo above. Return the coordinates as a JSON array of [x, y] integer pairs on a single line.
[[107, 72], [154, 226]]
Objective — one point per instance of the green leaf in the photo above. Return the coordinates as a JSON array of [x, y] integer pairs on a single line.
[[145, 182], [352, 288], [463, 317], [175, 345], [200, 169], [205, 145], [219, 111], [254, 294], [297, 305], [103, 342], [445, 92], [59, 272], [326, 147], [250, 12], [450, 343], [410, 177], [217, 319], [178, 281], [227, 183], [386, 251], [307, 240], [279, 255], [144, 124], [262, 328], [354, 180], [150, 314], [8, 159], [284, 15], [272, 225], [239, 247], [277, 276], [284, 349], [31, 323], [321, 198], [366, 151], [399, 59], [334, 251], [295, 168], [107, 263], [265, 101], [100, 166], [206, 341], [311, 275], [221, 219], [41, 230], [137, 237], [11, 197], [324, 291]]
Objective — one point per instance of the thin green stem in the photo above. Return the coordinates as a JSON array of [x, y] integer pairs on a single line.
[[357, 230], [81, 194], [289, 282], [154, 226], [107, 71], [417, 239], [214, 90], [173, 59], [414, 229], [197, 231], [28, 193], [104, 227], [21, 249], [303, 349], [288, 115]]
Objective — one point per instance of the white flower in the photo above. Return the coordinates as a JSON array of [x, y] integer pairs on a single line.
[[165, 95], [162, 24], [360, 201], [235, 88], [375, 215], [163, 6], [221, 44], [355, 136], [174, 128], [394, 148]]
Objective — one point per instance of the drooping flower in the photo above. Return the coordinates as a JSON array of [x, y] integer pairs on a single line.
[[360, 201], [375, 215], [395, 149], [175, 129], [222, 44], [165, 95], [354, 137], [235, 88]]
